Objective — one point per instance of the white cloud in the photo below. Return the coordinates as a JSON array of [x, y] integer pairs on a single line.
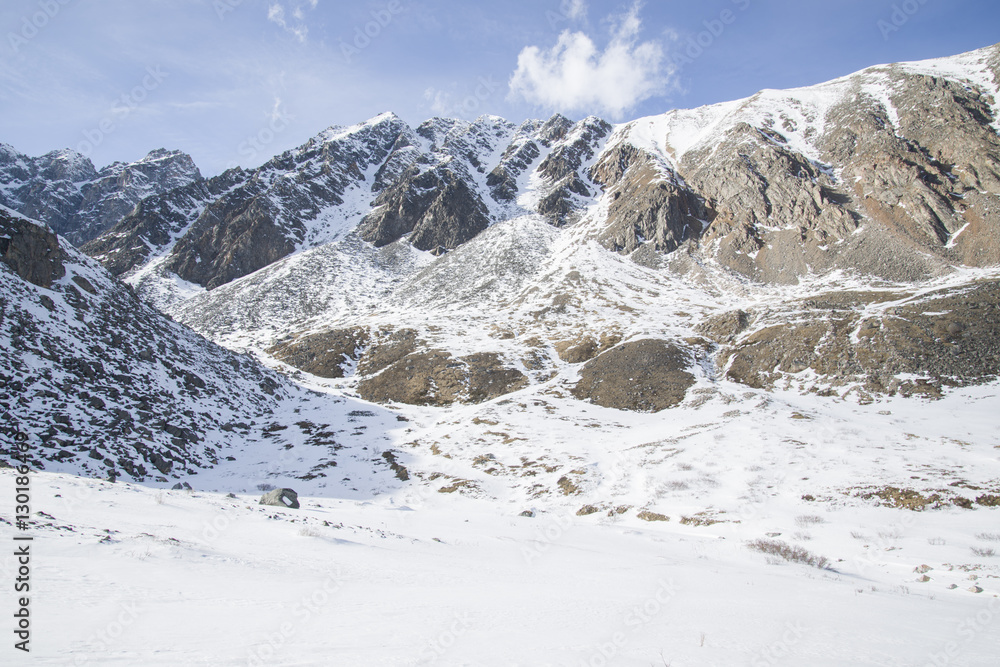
[[575, 75], [298, 28]]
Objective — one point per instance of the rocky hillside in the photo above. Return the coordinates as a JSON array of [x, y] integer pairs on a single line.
[[434, 187], [459, 262], [893, 173], [63, 189], [107, 386]]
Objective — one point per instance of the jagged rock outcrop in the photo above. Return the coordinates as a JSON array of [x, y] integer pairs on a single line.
[[264, 218], [563, 171], [891, 172], [647, 205], [647, 375], [156, 223], [928, 176], [773, 211], [30, 251], [437, 209], [437, 202]]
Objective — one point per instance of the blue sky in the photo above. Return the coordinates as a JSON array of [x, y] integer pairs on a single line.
[[236, 81]]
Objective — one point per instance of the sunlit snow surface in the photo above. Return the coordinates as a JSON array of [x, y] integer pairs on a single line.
[[374, 571]]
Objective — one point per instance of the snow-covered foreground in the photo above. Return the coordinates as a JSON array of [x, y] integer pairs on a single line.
[[377, 571], [133, 576]]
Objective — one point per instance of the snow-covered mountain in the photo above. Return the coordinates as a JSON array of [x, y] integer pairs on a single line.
[[539, 247], [854, 174], [64, 189]]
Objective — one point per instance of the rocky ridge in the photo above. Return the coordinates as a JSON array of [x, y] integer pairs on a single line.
[[79, 202]]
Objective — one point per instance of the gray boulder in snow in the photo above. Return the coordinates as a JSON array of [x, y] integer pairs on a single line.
[[280, 498]]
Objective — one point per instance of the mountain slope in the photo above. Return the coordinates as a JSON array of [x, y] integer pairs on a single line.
[[106, 386], [546, 245]]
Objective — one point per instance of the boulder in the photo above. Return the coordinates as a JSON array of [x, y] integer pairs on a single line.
[[281, 498]]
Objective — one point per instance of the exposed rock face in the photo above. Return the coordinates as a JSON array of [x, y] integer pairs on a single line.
[[264, 218], [436, 207], [286, 498], [395, 366], [585, 347], [119, 187], [891, 172], [156, 223], [323, 354], [946, 338], [563, 171], [436, 200], [437, 378], [31, 251], [896, 178], [63, 189], [645, 376], [386, 348], [726, 327], [241, 221], [772, 209], [648, 205]]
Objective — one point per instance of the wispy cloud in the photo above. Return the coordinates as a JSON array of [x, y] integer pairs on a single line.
[[296, 26], [575, 75], [575, 9]]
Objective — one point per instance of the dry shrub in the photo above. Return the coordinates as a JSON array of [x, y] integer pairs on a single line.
[[790, 553]]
